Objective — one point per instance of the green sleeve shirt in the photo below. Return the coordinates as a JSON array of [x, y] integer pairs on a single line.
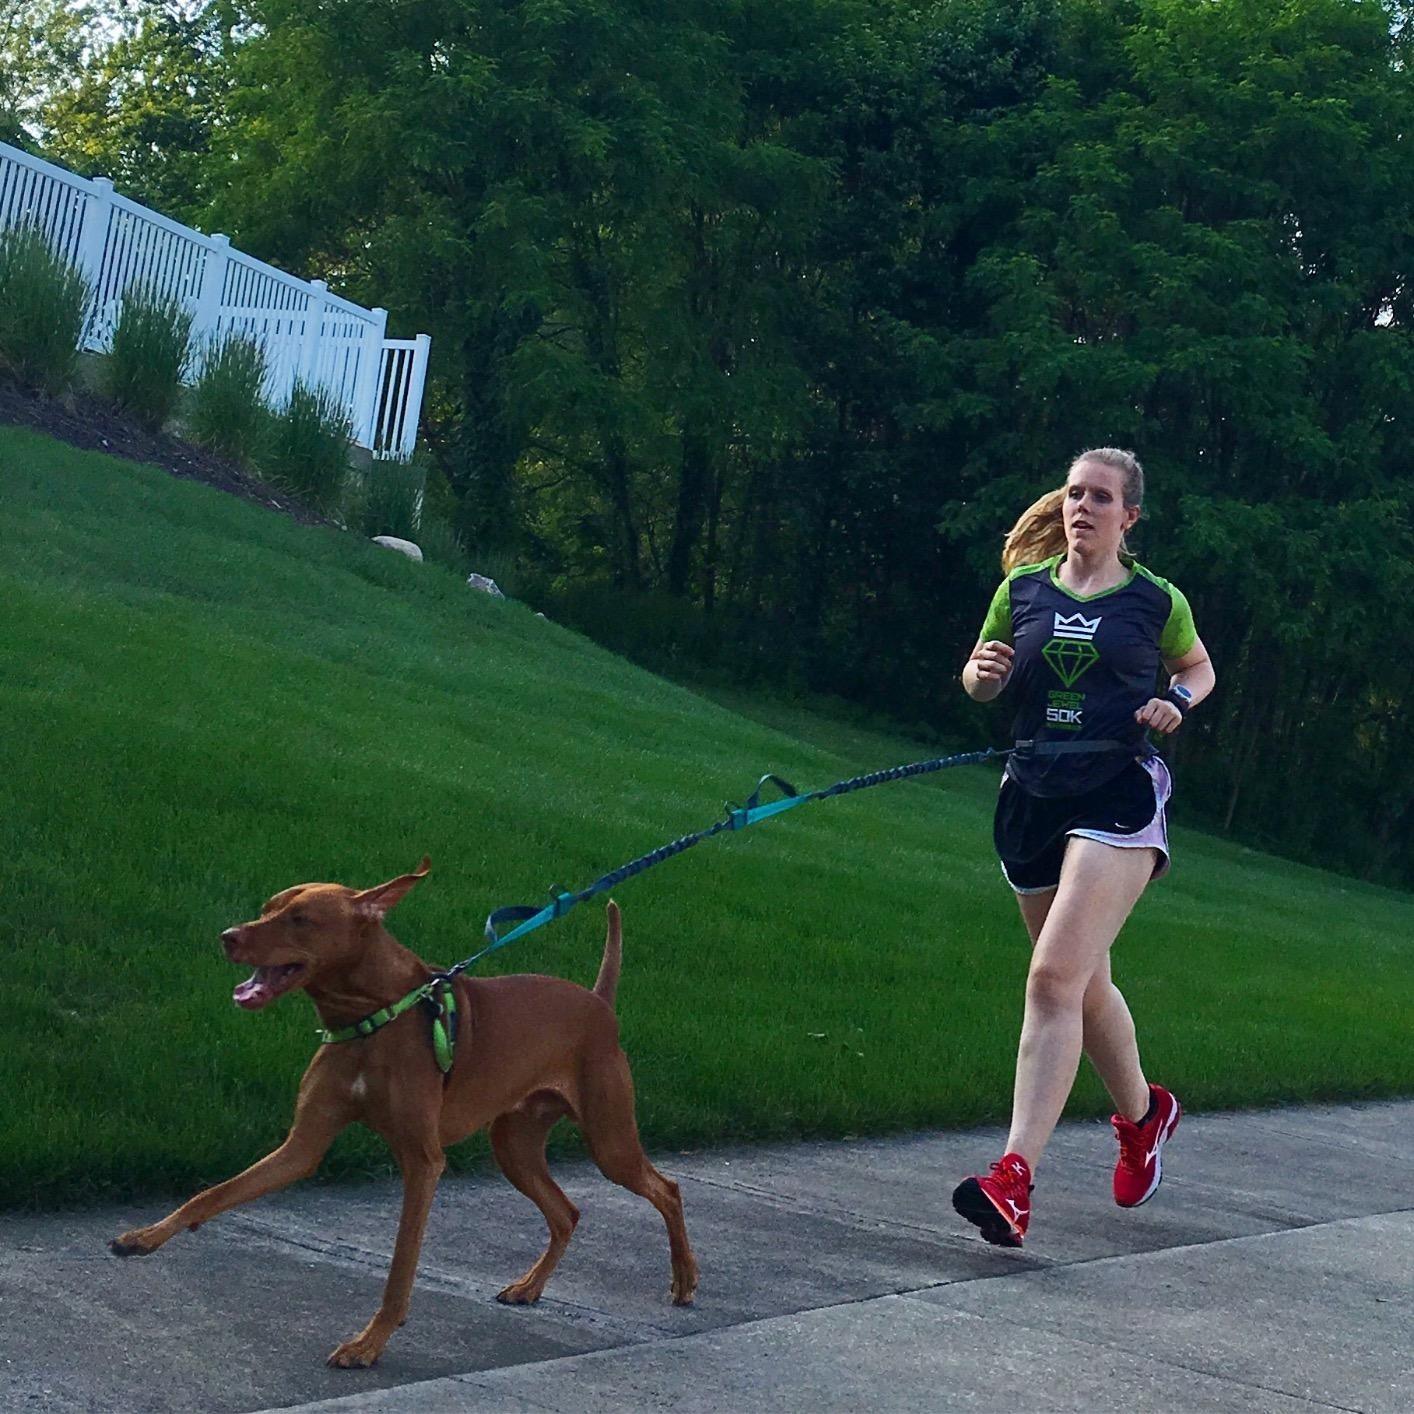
[[1083, 666]]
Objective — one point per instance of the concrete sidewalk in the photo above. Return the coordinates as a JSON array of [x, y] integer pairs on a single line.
[[1273, 1271]]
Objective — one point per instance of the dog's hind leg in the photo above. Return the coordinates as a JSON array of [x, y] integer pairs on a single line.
[[610, 1130], [518, 1142]]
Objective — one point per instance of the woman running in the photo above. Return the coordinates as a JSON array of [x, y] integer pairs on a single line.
[[1079, 630]]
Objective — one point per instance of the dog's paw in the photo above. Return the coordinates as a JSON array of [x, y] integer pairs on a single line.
[[356, 1354], [137, 1243], [520, 1293], [684, 1287]]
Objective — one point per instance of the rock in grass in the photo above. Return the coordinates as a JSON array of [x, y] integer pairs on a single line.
[[404, 547], [485, 585]]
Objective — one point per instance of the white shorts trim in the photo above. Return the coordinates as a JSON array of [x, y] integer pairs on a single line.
[[1154, 835]]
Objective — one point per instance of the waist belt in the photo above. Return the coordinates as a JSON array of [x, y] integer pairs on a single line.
[[1069, 748]]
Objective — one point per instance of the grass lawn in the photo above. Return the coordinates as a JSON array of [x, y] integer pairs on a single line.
[[204, 703]]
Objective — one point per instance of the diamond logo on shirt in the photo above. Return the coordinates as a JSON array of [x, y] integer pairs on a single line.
[[1070, 658]]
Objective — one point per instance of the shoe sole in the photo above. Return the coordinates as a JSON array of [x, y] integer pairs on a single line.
[[1165, 1134], [970, 1200]]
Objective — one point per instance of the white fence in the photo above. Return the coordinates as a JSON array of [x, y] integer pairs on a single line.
[[307, 332]]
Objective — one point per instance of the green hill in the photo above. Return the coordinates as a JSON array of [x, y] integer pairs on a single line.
[[204, 702]]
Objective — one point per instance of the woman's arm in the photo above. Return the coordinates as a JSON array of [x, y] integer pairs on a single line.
[[986, 672], [1194, 673]]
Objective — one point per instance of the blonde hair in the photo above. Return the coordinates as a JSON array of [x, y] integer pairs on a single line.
[[1039, 532]]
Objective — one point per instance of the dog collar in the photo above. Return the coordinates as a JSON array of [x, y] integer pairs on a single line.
[[440, 997]]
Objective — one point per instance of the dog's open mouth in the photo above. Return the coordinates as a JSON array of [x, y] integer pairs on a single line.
[[265, 984]]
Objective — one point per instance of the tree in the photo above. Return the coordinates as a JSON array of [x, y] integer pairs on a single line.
[[780, 312], [143, 107], [43, 43]]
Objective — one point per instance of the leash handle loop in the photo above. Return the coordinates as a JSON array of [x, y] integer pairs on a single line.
[[780, 783], [753, 810]]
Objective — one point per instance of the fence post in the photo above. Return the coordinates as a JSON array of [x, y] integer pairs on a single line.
[[208, 298], [313, 333], [370, 360], [93, 244], [412, 409]]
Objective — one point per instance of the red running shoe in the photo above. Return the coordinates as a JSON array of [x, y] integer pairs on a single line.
[[1000, 1203], [1141, 1147]]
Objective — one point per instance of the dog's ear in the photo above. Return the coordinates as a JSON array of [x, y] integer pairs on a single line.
[[375, 902]]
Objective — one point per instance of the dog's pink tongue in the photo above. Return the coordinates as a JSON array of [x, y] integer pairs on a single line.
[[254, 992]]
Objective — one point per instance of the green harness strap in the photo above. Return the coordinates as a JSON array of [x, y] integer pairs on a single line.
[[440, 997]]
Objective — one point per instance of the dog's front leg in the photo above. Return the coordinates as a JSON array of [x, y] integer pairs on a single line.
[[319, 1118], [421, 1163], [296, 1158]]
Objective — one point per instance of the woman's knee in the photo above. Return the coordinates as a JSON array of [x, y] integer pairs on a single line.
[[1053, 989]]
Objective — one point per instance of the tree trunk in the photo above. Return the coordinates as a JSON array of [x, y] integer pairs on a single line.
[[694, 474]]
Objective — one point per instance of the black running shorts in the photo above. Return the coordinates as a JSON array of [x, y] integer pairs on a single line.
[[1127, 811]]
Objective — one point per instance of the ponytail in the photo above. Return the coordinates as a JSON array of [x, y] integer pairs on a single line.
[[1037, 535]]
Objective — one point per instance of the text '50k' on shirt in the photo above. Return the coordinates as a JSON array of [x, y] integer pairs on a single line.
[[1083, 666]]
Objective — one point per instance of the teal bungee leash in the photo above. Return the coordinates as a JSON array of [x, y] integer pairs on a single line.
[[528, 917], [438, 994]]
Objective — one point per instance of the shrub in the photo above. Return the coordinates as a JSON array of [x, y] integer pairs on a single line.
[[43, 306], [307, 448], [226, 411], [441, 545], [149, 357], [385, 499]]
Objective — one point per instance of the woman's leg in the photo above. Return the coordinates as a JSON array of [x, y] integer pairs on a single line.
[[1108, 1029], [1110, 1044], [1099, 885]]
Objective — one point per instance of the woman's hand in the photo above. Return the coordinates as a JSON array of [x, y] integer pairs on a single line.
[[987, 670], [1160, 716]]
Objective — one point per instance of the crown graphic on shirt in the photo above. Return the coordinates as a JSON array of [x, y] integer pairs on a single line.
[[1076, 626]]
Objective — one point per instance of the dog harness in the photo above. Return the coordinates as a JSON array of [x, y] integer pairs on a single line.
[[440, 998]]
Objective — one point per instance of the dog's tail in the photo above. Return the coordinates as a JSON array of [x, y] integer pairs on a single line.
[[606, 985]]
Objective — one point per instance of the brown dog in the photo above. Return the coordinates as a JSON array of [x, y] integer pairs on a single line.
[[530, 1050]]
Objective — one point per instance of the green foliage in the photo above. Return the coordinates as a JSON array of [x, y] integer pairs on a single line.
[[43, 305], [130, 91], [785, 311], [440, 544], [44, 45], [232, 703], [149, 356], [384, 498], [437, 535], [307, 447], [226, 409]]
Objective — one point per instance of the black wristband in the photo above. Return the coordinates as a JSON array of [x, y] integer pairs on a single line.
[[1180, 697]]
